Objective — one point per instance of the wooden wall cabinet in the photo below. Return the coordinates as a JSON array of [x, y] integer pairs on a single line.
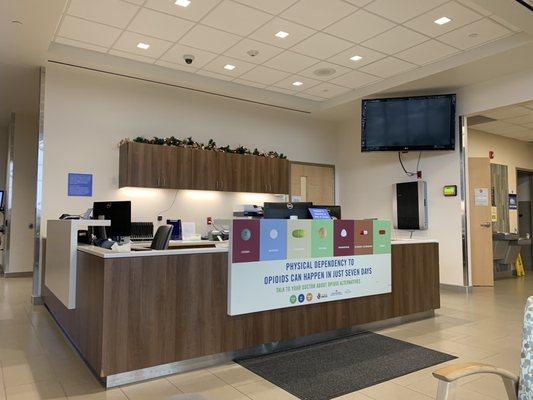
[[155, 166]]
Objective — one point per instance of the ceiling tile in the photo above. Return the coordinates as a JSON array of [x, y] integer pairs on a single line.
[[287, 83], [321, 46], [401, 11], [427, 52], [505, 23], [368, 56], [280, 90], [336, 71], [195, 11], [475, 34], [214, 75], [529, 104], [264, 75], [327, 90], [474, 6], [524, 119], [217, 66], [459, 15], [110, 12], [309, 96], [235, 18], [387, 67], [499, 127], [209, 39], [249, 83], [359, 26], [507, 112], [355, 79], [359, 3], [179, 67], [296, 32], [128, 42], [529, 126], [138, 2], [240, 50], [318, 14], [270, 6], [160, 25], [395, 40], [291, 62], [82, 45], [89, 32], [175, 55], [131, 56]]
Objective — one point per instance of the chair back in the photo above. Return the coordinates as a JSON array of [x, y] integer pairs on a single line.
[[525, 389], [162, 238]]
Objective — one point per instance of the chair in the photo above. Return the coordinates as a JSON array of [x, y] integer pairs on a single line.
[[517, 388], [162, 238]]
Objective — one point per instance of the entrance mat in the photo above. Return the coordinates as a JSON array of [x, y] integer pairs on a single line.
[[334, 368]]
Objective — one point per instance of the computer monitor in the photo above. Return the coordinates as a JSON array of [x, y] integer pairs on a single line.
[[334, 211], [119, 213], [1, 200], [286, 210]]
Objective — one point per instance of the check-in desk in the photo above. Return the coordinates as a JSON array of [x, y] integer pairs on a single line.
[[144, 314]]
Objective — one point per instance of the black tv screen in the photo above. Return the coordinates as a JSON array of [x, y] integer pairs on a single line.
[[408, 123]]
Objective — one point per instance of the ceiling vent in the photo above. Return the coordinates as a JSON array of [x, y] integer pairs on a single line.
[[324, 71]]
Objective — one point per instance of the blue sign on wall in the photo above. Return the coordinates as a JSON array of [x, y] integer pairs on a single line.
[[319, 213], [80, 185]]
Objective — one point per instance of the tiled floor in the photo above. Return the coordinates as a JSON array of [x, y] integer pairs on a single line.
[[38, 363]]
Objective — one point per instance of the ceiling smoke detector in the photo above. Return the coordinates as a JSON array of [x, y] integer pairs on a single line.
[[324, 71], [252, 52]]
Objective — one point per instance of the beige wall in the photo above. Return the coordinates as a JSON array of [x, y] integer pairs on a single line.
[[3, 156], [87, 114], [365, 188], [515, 154]]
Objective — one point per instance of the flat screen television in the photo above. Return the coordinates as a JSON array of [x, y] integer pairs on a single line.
[[408, 123]]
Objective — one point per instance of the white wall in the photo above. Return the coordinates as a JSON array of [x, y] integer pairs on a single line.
[[516, 154], [24, 185], [88, 113], [365, 185], [3, 156]]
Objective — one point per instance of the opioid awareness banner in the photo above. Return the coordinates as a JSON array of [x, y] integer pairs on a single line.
[[287, 263]]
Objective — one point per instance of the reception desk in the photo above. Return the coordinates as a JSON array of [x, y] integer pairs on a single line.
[[144, 314]]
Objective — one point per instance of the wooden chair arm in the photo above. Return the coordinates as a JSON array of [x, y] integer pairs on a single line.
[[453, 372]]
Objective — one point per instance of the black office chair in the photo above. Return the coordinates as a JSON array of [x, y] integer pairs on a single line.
[[162, 238]]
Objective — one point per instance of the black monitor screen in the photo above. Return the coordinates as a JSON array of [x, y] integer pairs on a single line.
[[285, 210], [119, 213], [1, 199], [411, 123]]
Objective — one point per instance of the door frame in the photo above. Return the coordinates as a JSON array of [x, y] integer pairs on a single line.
[[291, 162], [530, 172]]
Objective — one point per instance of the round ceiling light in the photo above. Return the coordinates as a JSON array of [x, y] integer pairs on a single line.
[[324, 71], [252, 52]]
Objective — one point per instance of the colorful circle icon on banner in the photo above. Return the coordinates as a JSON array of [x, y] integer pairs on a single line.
[[309, 296], [301, 298], [293, 299], [298, 233], [344, 233], [273, 234], [322, 233], [246, 234]]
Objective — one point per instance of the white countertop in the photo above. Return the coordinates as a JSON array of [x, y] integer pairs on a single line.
[[413, 241], [105, 253]]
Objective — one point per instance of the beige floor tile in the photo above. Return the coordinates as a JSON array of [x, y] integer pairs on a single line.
[[392, 391], [159, 389], [428, 386], [27, 370], [235, 374], [93, 392], [264, 390], [353, 396], [36, 391], [206, 384], [488, 385]]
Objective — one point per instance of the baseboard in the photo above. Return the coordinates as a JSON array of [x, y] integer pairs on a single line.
[[456, 288], [18, 274]]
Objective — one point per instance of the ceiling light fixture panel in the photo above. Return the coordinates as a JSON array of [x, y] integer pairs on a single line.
[[282, 34], [356, 58], [182, 3], [229, 67], [144, 46], [297, 83], [442, 21]]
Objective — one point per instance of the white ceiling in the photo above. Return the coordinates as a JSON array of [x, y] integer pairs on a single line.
[[514, 121], [391, 36]]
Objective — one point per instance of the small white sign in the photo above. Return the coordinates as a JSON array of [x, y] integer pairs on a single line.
[[481, 196]]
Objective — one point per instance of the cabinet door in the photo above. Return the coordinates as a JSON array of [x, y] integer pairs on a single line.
[[254, 174], [231, 172], [278, 176], [164, 167], [183, 176], [136, 165], [205, 173]]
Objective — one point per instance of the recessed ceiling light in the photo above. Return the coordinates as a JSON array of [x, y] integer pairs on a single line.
[[182, 3], [282, 34], [229, 67], [356, 58], [144, 46], [442, 20], [297, 83]]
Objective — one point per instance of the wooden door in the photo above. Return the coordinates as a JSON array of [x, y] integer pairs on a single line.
[[313, 182], [480, 203], [205, 172], [136, 165]]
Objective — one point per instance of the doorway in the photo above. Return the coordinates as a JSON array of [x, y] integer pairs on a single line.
[[524, 191], [313, 182]]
